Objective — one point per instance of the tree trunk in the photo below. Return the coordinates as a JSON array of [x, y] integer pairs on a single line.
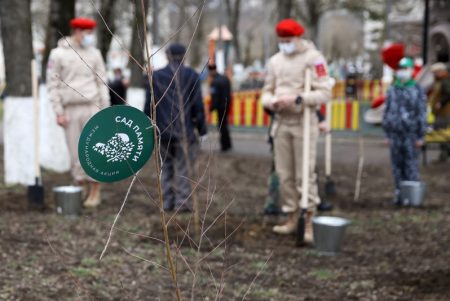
[[284, 8], [182, 16], [248, 49], [137, 44], [233, 22], [198, 43], [104, 37], [314, 17], [17, 40], [61, 12]]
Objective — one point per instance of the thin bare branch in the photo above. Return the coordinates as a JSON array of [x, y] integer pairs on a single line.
[[146, 260], [117, 216]]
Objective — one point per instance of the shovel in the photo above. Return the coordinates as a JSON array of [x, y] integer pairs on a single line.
[[305, 165], [330, 189], [35, 192]]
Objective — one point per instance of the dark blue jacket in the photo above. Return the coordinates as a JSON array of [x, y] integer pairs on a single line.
[[406, 110], [174, 95]]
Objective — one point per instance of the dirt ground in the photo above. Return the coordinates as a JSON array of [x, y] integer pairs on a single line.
[[388, 254]]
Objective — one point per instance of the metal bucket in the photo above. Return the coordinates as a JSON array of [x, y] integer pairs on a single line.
[[329, 233], [68, 200], [412, 193]]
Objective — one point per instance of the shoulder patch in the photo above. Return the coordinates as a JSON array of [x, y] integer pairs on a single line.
[[320, 68]]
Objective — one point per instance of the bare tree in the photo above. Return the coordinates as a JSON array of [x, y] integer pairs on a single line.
[[284, 9], [198, 43], [309, 12], [233, 12], [15, 16], [104, 35], [137, 43], [248, 48], [61, 12]]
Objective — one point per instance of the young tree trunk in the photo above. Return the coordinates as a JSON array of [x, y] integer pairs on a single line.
[[15, 16], [61, 12], [104, 36], [234, 12], [137, 43]]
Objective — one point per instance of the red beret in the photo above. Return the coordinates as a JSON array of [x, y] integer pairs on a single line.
[[82, 23], [289, 28], [392, 55]]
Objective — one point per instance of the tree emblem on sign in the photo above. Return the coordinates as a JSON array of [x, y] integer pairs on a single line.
[[117, 149]]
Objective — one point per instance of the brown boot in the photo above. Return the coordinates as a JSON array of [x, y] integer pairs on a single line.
[[309, 233], [289, 227], [94, 198]]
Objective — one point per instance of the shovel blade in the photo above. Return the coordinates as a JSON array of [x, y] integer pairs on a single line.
[[35, 195], [301, 230], [330, 188]]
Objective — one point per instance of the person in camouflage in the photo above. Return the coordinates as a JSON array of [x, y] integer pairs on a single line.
[[404, 123]]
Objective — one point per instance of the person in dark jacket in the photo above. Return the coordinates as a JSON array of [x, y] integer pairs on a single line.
[[180, 120], [118, 88], [404, 123], [220, 89]]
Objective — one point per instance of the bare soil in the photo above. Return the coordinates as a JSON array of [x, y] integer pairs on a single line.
[[388, 254]]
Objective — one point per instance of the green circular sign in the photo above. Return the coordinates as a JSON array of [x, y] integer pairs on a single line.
[[115, 143]]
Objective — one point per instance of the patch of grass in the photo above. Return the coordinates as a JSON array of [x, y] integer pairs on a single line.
[[88, 262], [322, 274], [258, 265], [414, 219], [1, 110], [218, 253], [265, 293], [84, 272]]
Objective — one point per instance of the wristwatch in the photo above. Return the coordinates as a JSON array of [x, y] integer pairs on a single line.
[[298, 100]]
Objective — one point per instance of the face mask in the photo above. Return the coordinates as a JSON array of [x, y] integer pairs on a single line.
[[88, 40], [404, 74], [287, 48]]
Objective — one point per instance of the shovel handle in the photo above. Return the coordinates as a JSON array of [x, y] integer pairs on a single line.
[[328, 141], [34, 84], [306, 143]]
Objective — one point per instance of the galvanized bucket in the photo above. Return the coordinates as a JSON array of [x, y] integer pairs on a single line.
[[412, 193], [329, 233], [68, 200]]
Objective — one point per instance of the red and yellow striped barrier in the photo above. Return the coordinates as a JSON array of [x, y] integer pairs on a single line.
[[344, 115], [366, 90], [247, 111]]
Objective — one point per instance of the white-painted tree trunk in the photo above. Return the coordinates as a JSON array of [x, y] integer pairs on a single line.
[[18, 137], [136, 98]]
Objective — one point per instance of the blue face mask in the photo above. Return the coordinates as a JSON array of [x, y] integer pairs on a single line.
[[88, 40]]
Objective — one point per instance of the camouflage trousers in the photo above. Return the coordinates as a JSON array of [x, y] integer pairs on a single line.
[[404, 158]]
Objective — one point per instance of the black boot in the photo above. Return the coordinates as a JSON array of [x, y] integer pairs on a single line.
[[325, 206]]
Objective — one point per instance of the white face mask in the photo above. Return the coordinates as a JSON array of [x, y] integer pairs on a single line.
[[404, 74], [88, 40], [287, 48]]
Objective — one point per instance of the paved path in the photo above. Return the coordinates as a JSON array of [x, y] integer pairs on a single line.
[[345, 149]]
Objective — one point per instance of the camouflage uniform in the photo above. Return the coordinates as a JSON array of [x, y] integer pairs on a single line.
[[404, 123]]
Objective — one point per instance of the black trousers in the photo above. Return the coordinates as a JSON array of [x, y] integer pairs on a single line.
[[225, 139]]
